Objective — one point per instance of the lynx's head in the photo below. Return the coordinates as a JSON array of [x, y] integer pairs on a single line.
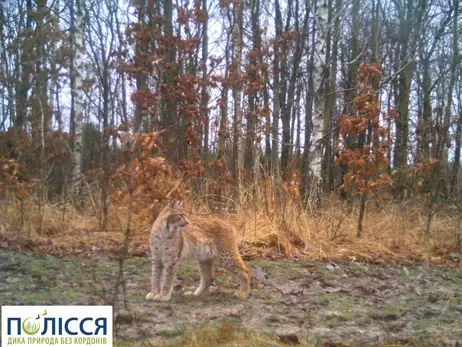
[[174, 222], [174, 217]]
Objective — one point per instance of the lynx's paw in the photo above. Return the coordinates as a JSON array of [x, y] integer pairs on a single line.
[[160, 297], [188, 293], [241, 294], [150, 296]]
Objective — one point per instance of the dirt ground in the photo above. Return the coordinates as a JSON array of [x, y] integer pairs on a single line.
[[353, 303]]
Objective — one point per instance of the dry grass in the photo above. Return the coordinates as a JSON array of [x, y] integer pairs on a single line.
[[226, 335], [271, 227], [396, 232], [60, 229]]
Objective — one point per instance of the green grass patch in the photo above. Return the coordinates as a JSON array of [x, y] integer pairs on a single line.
[[170, 332], [187, 270]]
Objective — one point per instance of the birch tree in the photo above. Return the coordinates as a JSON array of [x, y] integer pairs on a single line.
[[320, 78], [78, 100]]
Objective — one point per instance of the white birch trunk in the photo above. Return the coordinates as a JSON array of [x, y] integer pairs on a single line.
[[79, 96], [319, 78]]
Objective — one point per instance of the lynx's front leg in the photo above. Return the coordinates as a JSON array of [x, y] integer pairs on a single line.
[[168, 279], [157, 268], [206, 270]]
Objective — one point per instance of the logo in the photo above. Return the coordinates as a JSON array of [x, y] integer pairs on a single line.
[[56, 325]]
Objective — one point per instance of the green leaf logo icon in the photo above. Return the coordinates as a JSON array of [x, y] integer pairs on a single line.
[[30, 327]]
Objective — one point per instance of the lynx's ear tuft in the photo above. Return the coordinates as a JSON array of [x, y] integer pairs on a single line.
[[174, 204]]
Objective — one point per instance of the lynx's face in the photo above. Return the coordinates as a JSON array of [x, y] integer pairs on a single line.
[[175, 221], [171, 218]]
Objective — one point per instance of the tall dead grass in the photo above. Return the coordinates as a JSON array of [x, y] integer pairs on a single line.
[[393, 232], [270, 224]]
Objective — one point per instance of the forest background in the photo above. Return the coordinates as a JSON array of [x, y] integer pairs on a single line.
[[330, 128]]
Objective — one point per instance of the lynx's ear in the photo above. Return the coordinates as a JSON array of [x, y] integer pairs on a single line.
[[174, 204]]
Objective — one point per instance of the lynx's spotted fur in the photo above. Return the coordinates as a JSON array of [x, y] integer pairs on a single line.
[[208, 242]]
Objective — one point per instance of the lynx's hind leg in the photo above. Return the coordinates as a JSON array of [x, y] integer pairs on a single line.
[[206, 270], [237, 269]]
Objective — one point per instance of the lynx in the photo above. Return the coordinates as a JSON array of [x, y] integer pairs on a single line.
[[175, 239]]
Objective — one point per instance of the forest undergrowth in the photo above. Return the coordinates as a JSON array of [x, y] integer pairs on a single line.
[[270, 228]]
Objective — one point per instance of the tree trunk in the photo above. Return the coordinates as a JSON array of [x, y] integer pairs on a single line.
[[72, 81], [287, 140], [458, 139], [284, 102], [54, 88], [295, 136], [454, 67], [105, 143], [141, 50], [309, 96], [251, 115], [124, 113], [23, 86], [404, 82], [276, 92], [8, 113], [266, 104], [171, 71], [3, 65], [204, 93], [41, 97], [223, 132], [327, 164], [426, 126], [237, 128], [79, 100], [2, 44], [350, 94], [320, 77], [425, 131]]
